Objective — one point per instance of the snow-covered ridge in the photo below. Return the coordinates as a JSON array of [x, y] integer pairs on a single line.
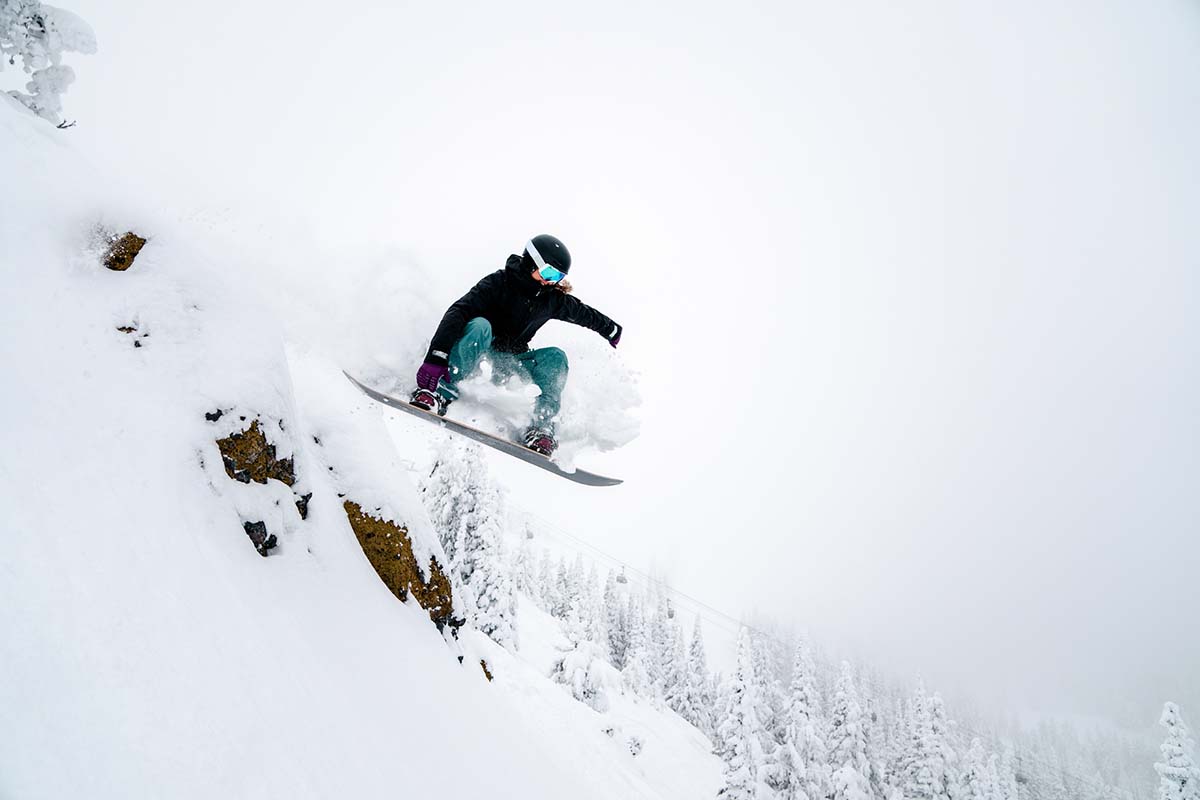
[[146, 647]]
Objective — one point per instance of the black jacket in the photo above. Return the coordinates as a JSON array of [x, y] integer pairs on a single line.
[[517, 306]]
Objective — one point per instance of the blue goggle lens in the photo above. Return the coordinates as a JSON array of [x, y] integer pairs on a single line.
[[549, 273]]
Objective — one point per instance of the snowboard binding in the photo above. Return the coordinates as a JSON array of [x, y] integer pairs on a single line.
[[429, 401], [540, 440]]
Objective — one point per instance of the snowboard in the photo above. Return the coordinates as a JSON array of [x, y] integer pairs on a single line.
[[483, 437]]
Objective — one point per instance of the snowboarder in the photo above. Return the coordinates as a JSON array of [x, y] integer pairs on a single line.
[[496, 319]]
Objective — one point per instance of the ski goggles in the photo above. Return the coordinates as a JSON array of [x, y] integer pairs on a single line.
[[547, 272]]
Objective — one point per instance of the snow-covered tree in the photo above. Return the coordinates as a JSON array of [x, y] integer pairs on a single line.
[[978, 782], [592, 607], [848, 763], [38, 35], [567, 585], [740, 734], [674, 667], [582, 665], [548, 584], [616, 623], [898, 727], [570, 584], [770, 693], [659, 642], [635, 671], [467, 510], [993, 777], [1178, 775], [927, 760], [943, 740], [876, 731], [801, 768], [1006, 777], [696, 701], [1050, 778], [525, 569]]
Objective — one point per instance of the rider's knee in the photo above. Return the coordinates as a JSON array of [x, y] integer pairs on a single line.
[[554, 357], [479, 327]]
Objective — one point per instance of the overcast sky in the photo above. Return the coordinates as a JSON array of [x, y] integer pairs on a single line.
[[912, 288]]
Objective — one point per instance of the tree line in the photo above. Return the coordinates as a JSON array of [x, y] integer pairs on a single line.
[[787, 723]]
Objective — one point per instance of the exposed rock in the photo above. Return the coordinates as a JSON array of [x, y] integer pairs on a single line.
[[122, 250], [487, 673], [257, 531], [248, 456], [302, 504], [390, 552]]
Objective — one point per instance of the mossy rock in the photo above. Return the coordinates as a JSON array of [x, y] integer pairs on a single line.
[[248, 456], [122, 250], [390, 552]]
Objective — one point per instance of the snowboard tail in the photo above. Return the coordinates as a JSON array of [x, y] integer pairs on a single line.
[[483, 437]]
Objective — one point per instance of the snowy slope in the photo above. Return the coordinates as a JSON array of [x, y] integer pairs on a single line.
[[673, 759], [146, 648]]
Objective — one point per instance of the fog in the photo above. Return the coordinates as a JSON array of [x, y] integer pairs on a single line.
[[912, 291]]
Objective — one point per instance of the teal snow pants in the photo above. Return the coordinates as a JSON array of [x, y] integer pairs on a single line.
[[545, 366]]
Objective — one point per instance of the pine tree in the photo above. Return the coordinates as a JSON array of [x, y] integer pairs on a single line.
[[848, 743], [658, 650], [525, 570], [571, 579], [897, 747], [581, 665], [616, 626], [876, 736], [635, 672], [801, 769], [467, 510], [491, 586], [740, 733], [1178, 775], [927, 771], [564, 589], [674, 674], [1052, 778], [770, 693], [996, 791], [696, 702], [1006, 774], [547, 583], [592, 608], [977, 782], [940, 727]]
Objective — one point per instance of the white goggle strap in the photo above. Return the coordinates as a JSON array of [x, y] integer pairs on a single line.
[[535, 255]]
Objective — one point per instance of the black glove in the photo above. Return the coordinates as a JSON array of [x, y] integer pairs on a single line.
[[615, 337]]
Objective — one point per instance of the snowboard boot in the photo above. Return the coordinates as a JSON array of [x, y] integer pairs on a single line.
[[540, 440]]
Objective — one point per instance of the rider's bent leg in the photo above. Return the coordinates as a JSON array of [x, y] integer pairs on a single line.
[[475, 342], [547, 366]]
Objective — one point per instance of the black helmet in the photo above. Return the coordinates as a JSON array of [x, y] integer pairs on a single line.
[[544, 250]]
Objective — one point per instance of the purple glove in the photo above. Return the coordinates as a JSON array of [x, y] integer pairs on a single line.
[[429, 374], [615, 339]]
